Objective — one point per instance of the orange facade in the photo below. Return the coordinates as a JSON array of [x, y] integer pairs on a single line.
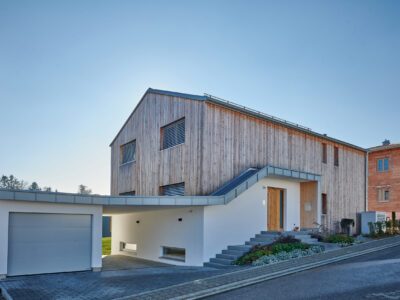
[[384, 179]]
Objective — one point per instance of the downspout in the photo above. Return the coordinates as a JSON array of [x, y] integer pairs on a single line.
[[366, 181]]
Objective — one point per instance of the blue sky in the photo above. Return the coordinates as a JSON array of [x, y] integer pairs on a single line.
[[72, 71]]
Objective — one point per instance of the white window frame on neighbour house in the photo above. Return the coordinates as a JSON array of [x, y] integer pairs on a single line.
[[383, 194], [127, 153], [382, 164]]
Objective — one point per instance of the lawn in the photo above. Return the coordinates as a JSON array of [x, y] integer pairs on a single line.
[[106, 246]]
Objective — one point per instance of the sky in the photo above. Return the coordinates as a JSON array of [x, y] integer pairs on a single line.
[[71, 72]]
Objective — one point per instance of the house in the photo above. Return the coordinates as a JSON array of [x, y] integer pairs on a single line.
[[274, 175], [384, 178], [190, 176]]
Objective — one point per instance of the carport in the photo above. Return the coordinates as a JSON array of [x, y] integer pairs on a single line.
[[44, 232]]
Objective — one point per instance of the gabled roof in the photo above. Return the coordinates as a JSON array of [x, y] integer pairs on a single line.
[[384, 147], [243, 109]]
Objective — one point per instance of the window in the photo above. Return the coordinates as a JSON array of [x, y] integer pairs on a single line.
[[336, 156], [383, 164], [173, 134], [173, 253], [177, 189], [128, 247], [324, 153], [128, 152], [131, 193], [383, 194], [324, 206]]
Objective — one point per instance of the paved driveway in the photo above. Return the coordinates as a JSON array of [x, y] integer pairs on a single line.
[[121, 276]]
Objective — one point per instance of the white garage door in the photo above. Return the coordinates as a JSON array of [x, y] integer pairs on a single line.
[[48, 243]]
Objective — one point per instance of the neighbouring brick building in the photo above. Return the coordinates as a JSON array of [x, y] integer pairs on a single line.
[[384, 178]]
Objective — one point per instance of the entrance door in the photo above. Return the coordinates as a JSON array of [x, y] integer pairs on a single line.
[[275, 209]]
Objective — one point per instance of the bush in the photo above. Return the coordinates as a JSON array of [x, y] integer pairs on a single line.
[[275, 248], [339, 239], [286, 239], [282, 256]]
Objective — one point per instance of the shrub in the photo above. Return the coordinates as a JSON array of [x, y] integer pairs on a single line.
[[282, 256], [345, 225], [286, 239], [275, 248], [339, 239]]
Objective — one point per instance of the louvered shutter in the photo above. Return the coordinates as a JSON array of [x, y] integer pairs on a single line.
[[177, 189], [174, 134]]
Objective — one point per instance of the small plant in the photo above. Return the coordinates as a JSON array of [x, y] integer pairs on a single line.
[[345, 225], [372, 229], [339, 239], [286, 239], [379, 226]]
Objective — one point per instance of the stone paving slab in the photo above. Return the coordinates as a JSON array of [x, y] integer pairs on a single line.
[[191, 289], [100, 285]]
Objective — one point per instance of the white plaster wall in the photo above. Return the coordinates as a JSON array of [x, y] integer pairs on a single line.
[[35, 207], [161, 228], [246, 215]]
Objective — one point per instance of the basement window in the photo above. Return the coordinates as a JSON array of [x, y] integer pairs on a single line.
[[128, 247], [173, 253]]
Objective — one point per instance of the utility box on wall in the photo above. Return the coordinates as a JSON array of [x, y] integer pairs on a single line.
[[371, 216]]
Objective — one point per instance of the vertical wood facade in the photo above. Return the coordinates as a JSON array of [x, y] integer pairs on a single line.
[[220, 143]]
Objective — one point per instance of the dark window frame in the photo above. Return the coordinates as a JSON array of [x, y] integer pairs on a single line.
[[336, 156], [324, 153], [121, 153], [130, 193], [324, 204], [179, 140]]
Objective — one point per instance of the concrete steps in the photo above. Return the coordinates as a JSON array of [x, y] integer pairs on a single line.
[[228, 256]]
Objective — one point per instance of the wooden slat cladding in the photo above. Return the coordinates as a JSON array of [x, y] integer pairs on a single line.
[[220, 143], [154, 167], [234, 141]]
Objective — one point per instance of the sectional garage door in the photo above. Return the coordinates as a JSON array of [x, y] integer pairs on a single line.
[[48, 243]]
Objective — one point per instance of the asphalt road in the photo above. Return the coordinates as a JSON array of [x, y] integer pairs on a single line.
[[371, 276]]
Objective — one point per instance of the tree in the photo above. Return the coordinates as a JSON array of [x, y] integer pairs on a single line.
[[46, 189], [34, 187], [12, 183], [83, 189]]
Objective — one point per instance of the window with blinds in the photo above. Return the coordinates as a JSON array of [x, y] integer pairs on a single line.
[[128, 152], [177, 189], [131, 193], [173, 134]]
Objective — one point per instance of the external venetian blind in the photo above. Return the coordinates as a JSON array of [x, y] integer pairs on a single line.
[[173, 134], [177, 189], [128, 152]]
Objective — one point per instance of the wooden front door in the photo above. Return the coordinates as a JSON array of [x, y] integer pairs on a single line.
[[275, 209]]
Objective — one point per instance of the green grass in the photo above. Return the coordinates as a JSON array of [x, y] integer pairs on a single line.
[[106, 246]]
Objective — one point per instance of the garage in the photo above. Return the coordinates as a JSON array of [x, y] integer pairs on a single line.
[[48, 243]]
